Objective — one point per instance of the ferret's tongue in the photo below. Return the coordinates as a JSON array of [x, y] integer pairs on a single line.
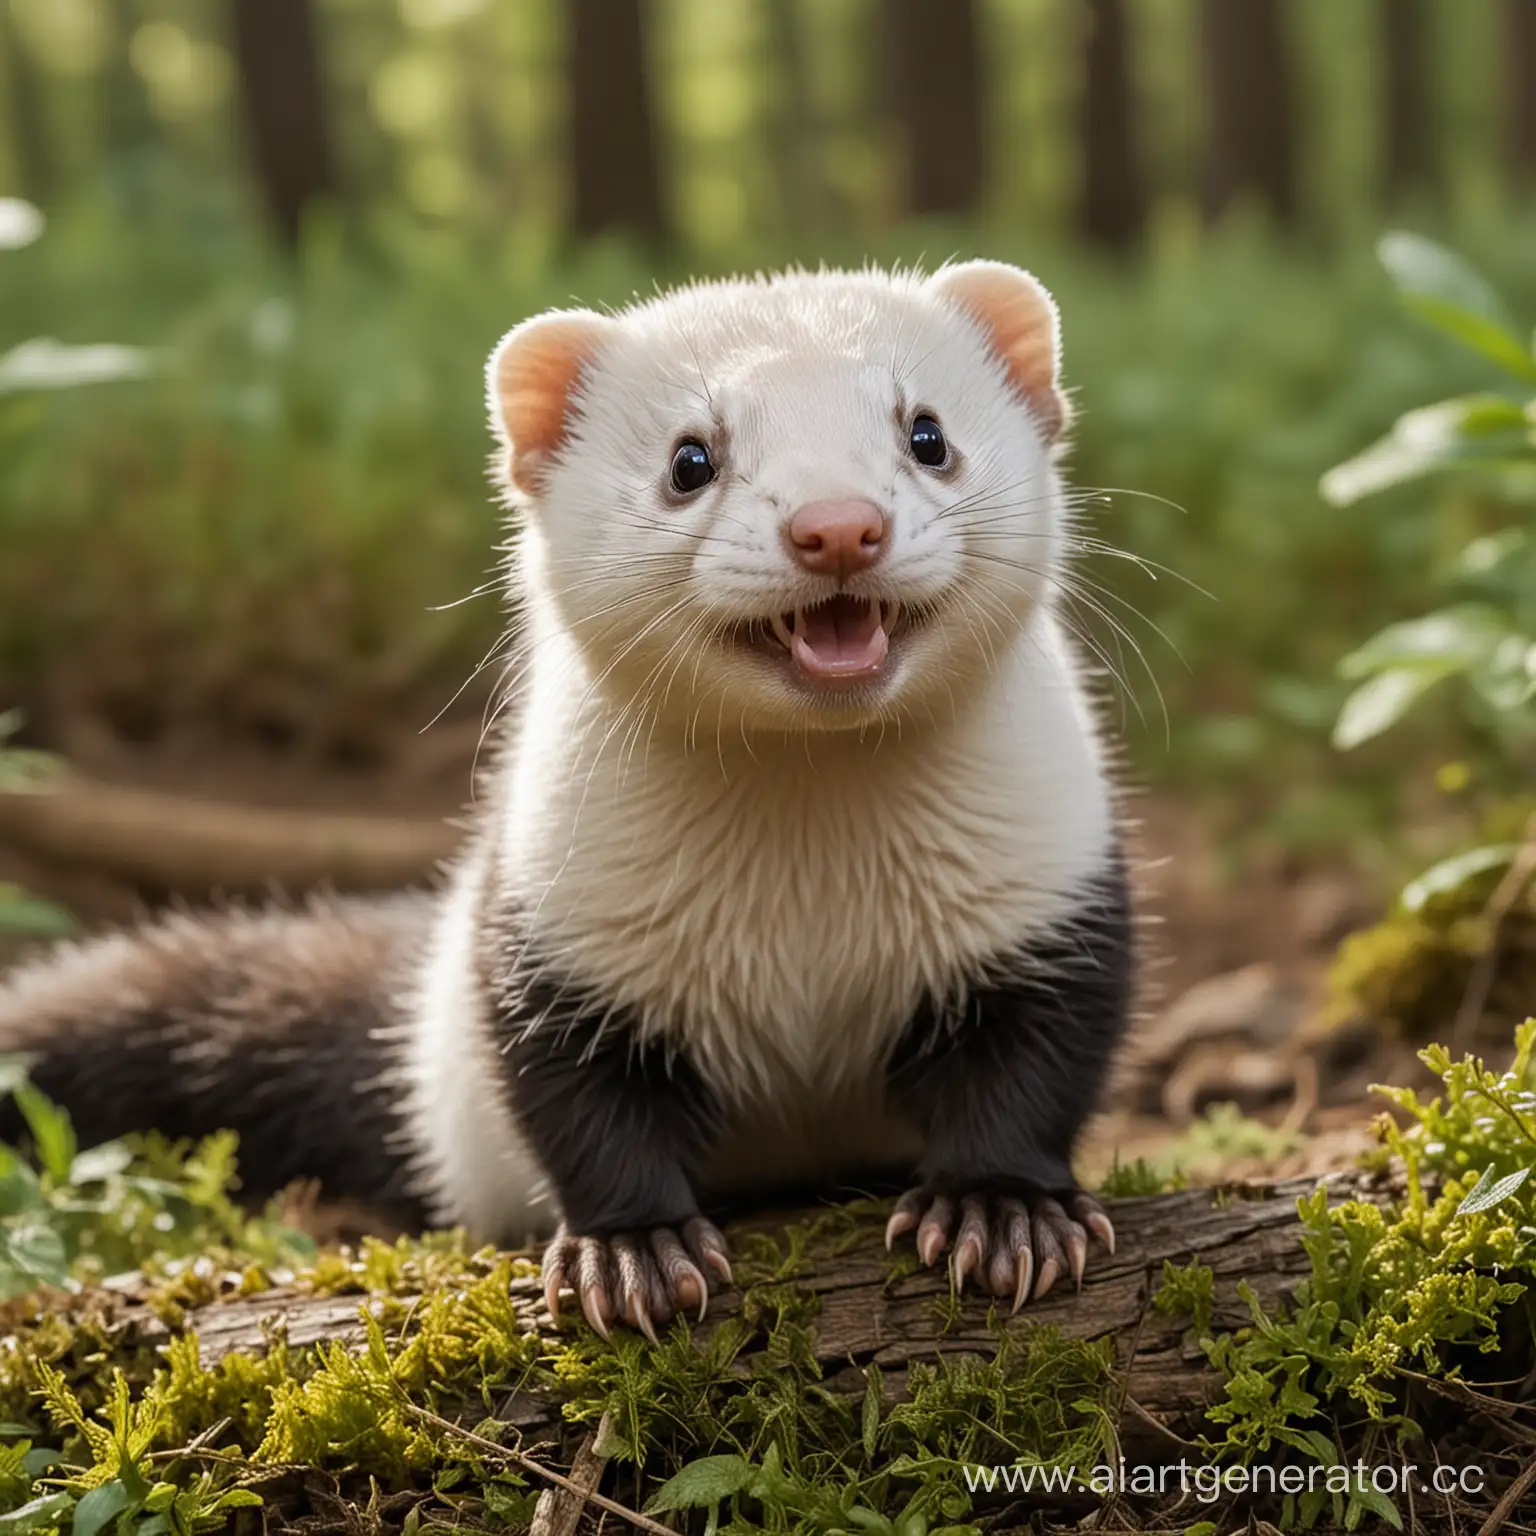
[[840, 638]]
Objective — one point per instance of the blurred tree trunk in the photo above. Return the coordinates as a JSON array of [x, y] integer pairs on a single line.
[[1250, 137], [130, 124], [27, 119], [1519, 45], [796, 127], [282, 87], [614, 166], [1114, 198], [934, 74], [1407, 136]]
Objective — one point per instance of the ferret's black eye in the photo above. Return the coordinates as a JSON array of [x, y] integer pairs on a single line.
[[927, 443], [692, 468]]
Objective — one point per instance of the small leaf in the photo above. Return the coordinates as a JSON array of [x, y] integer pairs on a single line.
[[874, 1392], [1483, 1196], [705, 1482], [1364, 1496], [49, 364], [1453, 873], [51, 1131], [242, 1498], [1444, 291], [97, 1164], [32, 917], [1381, 702], [1471, 429], [100, 1506], [37, 1251], [50, 1509], [1458, 637], [39, 1459]]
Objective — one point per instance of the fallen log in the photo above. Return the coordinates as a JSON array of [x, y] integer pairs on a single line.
[[1242, 1232], [194, 847]]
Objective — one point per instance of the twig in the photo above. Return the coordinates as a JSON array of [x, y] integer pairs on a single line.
[[559, 1513], [1508, 891], [1516, 1491], [528, 1464]]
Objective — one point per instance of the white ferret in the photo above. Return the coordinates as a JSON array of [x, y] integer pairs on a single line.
[[797, 863]]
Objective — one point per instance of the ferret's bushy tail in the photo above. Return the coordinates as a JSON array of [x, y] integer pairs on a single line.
[[279, 1024]]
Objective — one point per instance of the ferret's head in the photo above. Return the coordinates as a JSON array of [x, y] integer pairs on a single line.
[[820, 501]]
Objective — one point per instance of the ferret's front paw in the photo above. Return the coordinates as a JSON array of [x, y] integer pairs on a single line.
[[1011, 1242], [643, 1278]]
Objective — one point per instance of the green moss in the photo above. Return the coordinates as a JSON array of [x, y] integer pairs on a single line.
[[1409, 973], [739, 1418], [1420, 1286]]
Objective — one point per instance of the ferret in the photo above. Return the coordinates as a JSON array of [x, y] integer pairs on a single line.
[[797, 861]]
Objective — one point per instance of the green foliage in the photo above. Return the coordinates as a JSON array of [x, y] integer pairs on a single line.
[[1487, 637], [21, 914], [741, 1425], [69, 1215], [1409, 972], [1128, 1180], [300, 485], [1419, 1287]]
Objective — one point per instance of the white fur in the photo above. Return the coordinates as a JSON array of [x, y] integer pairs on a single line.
[[771, 877]]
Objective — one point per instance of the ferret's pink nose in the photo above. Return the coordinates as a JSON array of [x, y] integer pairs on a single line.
[[837, 538]]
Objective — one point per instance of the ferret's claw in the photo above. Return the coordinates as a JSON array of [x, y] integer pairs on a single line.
[[1014, 1245], [707, 1244], [554, 1276], [1048, 1273], [643, 1278], [908, 1212], [596, 1308], [933, 1230], [1052, 1236], [1087, 1212], [679, 1275]]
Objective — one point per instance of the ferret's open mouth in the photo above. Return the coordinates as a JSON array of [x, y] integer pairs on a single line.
[[843, 639]]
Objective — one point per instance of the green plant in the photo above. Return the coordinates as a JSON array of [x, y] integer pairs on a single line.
[[1487, 637], [1421, 1286], [21, 913], [84, 1214], [43, 364]]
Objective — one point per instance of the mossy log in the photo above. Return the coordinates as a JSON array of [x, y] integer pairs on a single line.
[[870, 1311]]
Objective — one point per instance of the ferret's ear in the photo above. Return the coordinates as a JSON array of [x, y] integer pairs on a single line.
[[532, 383], [1018, 318]]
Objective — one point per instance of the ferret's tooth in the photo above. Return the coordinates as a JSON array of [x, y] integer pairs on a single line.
[[877, 611], [781, 631], [890, 614], [796, 623]]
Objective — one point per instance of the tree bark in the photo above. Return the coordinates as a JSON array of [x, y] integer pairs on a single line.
[[1248, 1232], [1519, 48], [934, 74], [1250, 138], [614, 166], [1407, 119], [1114, 198], [282, 86]]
